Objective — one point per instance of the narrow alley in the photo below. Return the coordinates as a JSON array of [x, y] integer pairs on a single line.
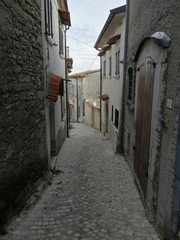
[[92, 196]]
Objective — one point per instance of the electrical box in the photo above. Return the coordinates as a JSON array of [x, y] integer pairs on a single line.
[[165, 123], [169, 103]]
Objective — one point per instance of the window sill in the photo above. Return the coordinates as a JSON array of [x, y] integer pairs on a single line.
[[115, 128]]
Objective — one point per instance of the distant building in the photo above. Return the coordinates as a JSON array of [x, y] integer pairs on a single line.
[[84, 91], [111, 45]]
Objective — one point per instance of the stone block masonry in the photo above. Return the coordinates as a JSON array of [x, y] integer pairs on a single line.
[[23, 151]]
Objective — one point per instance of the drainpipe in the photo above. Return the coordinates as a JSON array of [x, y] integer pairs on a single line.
[[124, 78], [100, 94], [77, 100], [66, 76]]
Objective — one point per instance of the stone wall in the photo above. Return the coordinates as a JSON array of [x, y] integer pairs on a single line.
[[23, 152], [91, 86], [146, 18]]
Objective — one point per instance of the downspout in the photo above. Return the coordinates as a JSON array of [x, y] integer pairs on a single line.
[[100, 124], [100, 93], [77, 100], [66, 77], [124, 78]]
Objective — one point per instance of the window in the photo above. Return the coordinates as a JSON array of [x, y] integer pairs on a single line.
[[110, 66], [84, 112], [112, 114], [117, 67], [116, 118], [104, 68], [62, 108], [48, 18], [61, 50], [130, 84]]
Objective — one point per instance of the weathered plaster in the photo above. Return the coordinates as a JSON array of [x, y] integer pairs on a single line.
[[146, 18]]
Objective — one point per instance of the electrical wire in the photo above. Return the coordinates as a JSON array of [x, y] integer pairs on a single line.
[[93, 62], [86, 45], [80, 41]]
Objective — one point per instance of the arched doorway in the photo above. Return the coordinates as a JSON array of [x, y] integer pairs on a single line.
[[145, 83], [150, 62]]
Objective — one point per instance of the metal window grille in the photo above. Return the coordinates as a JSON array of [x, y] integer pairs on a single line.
[[116, 118], [117, 69], [110, 66], [104, 68], [130, 84], [48, 18], [112, 114]]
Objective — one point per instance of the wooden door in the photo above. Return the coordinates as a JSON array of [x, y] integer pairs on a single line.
[[145, 83], [175, 224]]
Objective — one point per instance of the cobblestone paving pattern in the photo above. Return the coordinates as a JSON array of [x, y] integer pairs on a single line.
[[92, 197]]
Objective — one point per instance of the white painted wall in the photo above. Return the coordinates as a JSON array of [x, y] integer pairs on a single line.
[[113, 85], [57, 63], [53, 63]]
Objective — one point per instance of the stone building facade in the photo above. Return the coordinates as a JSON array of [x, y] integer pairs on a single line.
[[23, 150], [153, 70]]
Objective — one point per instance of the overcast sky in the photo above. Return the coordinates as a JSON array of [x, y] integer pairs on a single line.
[[87, 19]]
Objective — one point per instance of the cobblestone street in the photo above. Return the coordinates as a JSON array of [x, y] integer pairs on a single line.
[[92, 196]]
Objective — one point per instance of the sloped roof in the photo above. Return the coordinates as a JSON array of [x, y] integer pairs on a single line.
[[112, 22], [83, 74]]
